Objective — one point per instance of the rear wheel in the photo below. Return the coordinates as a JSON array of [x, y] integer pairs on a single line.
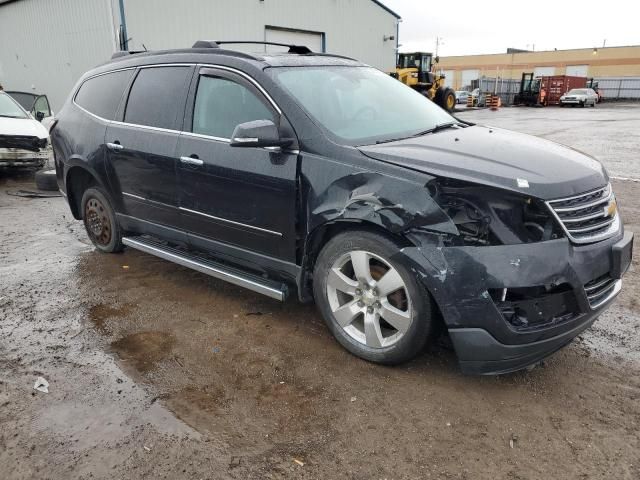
[[373, 305], [100, 221]]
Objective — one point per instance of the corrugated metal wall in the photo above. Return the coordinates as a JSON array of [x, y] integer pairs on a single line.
[[621, 88], [45, 45], [352, 27]]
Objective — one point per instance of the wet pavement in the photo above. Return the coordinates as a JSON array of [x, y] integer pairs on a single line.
[[157, 371]]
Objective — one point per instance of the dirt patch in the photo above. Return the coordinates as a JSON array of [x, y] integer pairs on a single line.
[[100, 313], [213, 390], [144, 349]]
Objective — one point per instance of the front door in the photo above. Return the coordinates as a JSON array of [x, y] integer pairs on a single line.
[[142, 149], [242, 196]]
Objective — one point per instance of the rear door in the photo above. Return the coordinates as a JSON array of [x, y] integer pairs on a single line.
[[142, 147], [242, 196]]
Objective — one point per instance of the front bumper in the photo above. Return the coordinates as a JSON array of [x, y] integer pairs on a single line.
[[575, 101], [487, 340], [19, 158]]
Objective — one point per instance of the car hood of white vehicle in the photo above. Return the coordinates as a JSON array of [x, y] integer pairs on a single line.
[[27, 127]]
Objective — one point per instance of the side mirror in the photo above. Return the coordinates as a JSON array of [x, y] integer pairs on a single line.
[[39, 116], [258, 133]]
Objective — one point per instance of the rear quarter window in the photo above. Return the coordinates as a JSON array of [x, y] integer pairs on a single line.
[[101, 95], [156, 98]]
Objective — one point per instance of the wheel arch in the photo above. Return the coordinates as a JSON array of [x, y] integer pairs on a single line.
[[77, 180], [320, 235]]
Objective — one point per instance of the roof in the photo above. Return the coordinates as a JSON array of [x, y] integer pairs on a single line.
[[273, 59]]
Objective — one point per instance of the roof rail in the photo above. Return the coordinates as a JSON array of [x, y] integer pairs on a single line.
[[297, 49], [124, 53]]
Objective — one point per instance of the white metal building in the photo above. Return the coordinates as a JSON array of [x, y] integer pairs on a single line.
[[45, 45]]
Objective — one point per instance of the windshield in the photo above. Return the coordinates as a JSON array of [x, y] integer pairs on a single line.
[[9, 108], [360, 105], [24, 99], [578, 91]]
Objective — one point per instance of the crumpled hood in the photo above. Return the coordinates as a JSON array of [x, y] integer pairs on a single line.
[[499, 158], [27, 127]]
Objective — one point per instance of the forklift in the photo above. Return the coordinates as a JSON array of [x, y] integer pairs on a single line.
[[593, 84], [417, 70], [529, 93]]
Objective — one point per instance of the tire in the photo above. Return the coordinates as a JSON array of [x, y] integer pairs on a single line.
[[361, 326], [100, 221], [446, 98], [582, 104], [46, 180]]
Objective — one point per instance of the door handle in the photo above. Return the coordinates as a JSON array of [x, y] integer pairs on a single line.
[[192, 161], [114, 146]]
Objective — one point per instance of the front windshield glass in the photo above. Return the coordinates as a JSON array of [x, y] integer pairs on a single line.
[[578, 91], [360, 105], [10, 108]]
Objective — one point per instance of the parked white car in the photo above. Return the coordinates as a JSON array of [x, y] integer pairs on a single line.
[[24, 141], [579, 96]]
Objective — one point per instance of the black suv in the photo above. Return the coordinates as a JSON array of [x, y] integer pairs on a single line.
[[317, 175]]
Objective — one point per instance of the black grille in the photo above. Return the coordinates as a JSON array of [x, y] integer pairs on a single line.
[[588, 217]]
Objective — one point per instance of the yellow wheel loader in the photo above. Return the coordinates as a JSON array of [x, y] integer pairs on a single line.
[[417, 70]]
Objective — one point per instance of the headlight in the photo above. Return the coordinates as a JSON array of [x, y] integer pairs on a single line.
[[490, 216], [414, 74]]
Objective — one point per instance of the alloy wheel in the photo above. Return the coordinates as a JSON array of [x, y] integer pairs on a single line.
[[369, 299]]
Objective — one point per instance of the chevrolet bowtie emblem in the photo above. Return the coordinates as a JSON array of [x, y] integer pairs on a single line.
[[611, 209]]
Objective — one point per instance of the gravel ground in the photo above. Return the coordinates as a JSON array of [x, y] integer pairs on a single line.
[[156, 371]]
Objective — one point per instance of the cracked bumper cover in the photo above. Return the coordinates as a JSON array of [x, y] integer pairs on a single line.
[[485, 342]]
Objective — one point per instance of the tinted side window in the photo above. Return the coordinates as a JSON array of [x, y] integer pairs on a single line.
[[156, 95], [101, 95], [222, 104]]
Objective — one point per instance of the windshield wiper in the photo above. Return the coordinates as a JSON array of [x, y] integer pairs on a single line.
[[439, 127]]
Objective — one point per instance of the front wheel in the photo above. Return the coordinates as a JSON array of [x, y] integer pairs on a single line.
[[100, 221], [446, 98], [373, 305]]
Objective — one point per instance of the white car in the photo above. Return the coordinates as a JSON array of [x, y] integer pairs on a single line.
[[579, 96], [24, 142]]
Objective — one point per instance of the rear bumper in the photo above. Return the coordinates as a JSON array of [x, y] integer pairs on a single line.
[[489, 338]]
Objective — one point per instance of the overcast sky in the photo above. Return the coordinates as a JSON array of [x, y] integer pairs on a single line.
[[469, 27]]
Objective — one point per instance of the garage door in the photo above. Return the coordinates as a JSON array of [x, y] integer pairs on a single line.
[[544, 71], [577, 70], [468, 76], [448, 77], [313, 40]]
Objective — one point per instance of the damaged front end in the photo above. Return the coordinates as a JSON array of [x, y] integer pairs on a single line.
[[24, 151], [511, 286]]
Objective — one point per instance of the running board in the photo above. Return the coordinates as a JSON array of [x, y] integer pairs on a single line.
[[238, 277]]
